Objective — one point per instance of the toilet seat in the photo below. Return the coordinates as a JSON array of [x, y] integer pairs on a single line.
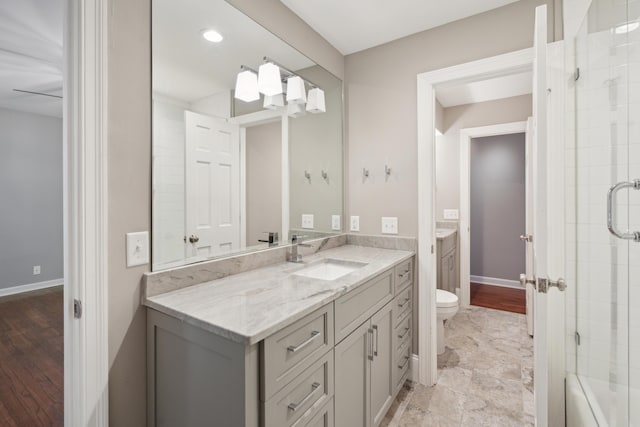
[[445, 299]]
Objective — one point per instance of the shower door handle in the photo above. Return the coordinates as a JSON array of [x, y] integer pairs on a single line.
[[611, 210]]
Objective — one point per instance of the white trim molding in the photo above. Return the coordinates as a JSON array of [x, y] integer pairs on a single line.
[[465, 194], [494, 281], [86, 366], [13, 290], [501, 65]]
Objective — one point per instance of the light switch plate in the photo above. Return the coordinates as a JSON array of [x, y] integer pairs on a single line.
[[36, 270], [450, 214], [355, 223], [335, 222], [307, 220], [137, 248], [389, 225]]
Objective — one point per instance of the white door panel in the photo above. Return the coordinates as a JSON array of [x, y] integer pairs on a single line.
[[212, 186]]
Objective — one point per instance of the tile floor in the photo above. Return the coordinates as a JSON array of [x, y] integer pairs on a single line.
[[485, 376]]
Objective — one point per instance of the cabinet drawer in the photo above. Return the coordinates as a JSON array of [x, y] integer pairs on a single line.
[[320, 418], [402, 332], [403, 273], [289, 352], [361, 303], [402, 304], [298, 399], [401, 363]]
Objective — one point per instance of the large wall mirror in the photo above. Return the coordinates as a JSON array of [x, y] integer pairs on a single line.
[[231, 164]]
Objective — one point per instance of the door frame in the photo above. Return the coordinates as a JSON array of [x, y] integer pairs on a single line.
[[255, 119], [427, 83], [86, 345], [466, 135]]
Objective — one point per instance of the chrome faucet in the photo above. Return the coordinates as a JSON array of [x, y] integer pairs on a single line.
[[294, 256]]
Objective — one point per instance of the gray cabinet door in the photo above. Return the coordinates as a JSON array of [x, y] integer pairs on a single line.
[[382, 386], [352, 378]]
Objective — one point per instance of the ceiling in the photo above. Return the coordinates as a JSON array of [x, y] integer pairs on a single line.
[[486, 90], [354, 25], [31, 55], [187, 67]]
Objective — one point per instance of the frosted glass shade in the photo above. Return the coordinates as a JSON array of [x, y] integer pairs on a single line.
[[273, 102], [296, 110], [247, 86], [269, 80], [296, 93], [315, 101]]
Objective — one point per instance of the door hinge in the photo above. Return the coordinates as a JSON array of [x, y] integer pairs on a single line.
[[77, 308], [577, 338], [576, 75], [432, 249]]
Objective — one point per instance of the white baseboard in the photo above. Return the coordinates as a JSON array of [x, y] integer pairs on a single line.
[[415, 362], [496, 282], [30, 287]]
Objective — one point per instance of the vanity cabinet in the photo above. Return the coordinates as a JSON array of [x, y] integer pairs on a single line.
[[447, 275], [341, 365]]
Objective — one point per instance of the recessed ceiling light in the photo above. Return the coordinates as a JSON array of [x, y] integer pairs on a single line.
[[627, 28], [212, 36]]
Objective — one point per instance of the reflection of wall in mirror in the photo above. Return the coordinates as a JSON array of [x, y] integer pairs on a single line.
[[168, 198], [315, 145], [263, 181]]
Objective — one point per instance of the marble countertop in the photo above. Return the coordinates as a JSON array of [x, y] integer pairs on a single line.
[[443, 233], [250, 306]]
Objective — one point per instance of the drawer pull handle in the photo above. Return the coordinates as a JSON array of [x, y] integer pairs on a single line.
[[404, 365], [406, 300], [302, 345], [406, 331], [403, 274], [295, 406]]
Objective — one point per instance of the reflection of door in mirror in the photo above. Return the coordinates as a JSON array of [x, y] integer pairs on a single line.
[[212, 186]]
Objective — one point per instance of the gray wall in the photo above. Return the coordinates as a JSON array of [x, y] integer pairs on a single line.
[[497, 197], [129, 145], [31, 192], [264, 181], [380, 91], [515, 109]]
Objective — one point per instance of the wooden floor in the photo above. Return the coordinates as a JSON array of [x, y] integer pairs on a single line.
[[498, 297], [31, 359]]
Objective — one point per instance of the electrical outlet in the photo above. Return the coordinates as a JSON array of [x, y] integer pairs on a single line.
[[389, 225], [137, 248], [36, 270], [355, 223], [335, 222], [450, 214], [307, 220]]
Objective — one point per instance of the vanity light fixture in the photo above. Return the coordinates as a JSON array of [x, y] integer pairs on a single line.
[[269, 80], [296, 110], [212, 36], [247, 85], [315, 101], [296, 93], [273, 102]]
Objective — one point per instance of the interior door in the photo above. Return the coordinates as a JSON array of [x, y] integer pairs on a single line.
[[529, 276], [212, 186], [545, 244]]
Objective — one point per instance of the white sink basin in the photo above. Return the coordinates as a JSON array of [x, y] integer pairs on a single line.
[[330, 269]]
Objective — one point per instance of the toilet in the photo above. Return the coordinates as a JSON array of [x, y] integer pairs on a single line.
[[446, 308]]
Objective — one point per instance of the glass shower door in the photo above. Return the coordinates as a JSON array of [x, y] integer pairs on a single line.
[[608, 265]]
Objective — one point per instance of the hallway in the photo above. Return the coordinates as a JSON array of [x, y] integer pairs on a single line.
[[485, 376]]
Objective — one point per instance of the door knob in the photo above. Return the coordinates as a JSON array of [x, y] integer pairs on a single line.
[[526, 238], [193, 238]]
